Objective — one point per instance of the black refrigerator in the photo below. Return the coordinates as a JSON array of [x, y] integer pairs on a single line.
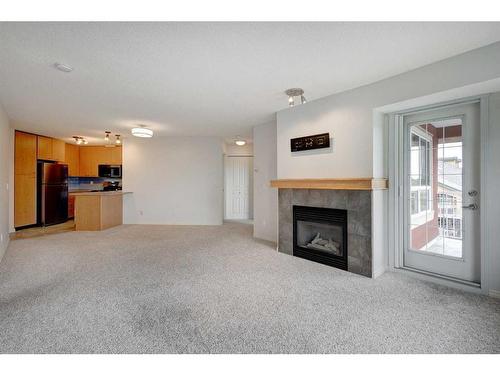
[[52, 193]]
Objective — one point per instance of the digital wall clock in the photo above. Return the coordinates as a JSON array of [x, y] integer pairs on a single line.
[[310, 142]]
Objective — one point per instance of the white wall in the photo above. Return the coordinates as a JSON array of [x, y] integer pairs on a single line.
[[349, 116], [233, 149], [265, 197], [174, 180], [355, 120], [492, 202], [5, 159]]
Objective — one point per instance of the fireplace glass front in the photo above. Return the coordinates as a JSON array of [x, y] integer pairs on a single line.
[[320, 234]]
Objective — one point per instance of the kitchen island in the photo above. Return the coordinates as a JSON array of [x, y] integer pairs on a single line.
[[98, 210]]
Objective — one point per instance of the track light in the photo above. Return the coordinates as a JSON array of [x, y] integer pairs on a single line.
[[295, 92], [80, 140]]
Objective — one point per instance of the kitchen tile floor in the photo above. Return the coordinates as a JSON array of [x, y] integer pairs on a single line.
[[43, 231]]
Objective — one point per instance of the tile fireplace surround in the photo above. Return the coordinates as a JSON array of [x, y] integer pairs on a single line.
[[358, 204]]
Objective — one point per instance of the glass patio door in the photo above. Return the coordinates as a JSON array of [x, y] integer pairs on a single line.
[[441, 174]]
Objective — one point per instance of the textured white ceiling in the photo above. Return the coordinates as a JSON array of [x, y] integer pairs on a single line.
[[202, 78]]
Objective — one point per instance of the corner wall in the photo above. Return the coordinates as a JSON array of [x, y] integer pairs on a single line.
[[265, 198], [492, 169], [174, 180], [5, 135]]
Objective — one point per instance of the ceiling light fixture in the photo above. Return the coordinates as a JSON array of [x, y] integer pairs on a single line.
[[142, 132], [79, 140], [118, 141], [106, 136], [292, 93], [63, 67]]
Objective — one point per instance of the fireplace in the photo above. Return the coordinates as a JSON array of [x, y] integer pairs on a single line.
[[320, 235]]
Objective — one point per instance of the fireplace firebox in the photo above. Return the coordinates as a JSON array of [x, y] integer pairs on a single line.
[[320, 235]]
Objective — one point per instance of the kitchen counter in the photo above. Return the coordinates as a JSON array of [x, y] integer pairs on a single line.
[[94, 193], [98, 210]]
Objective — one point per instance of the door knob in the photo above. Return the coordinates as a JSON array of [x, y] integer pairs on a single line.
[[471, 206]]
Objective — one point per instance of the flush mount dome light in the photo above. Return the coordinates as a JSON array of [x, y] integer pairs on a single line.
[[142, 132], [63, 67]]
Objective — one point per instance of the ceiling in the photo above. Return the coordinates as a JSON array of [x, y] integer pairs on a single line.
[[215, 79]]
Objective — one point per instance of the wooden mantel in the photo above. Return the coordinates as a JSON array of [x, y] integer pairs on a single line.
[[368, 183]]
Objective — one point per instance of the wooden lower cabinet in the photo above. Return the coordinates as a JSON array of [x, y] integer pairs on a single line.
[[98, 211], [71, 206], [24, 200]]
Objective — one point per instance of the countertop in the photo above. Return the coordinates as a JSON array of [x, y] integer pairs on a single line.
[[101, 193]]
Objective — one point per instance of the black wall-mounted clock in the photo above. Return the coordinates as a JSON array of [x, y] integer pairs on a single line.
[[310, 142]]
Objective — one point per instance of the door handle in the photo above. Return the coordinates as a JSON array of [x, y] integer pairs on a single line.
[[471, 206]]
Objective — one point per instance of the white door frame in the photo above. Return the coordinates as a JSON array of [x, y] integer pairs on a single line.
[[395, 207]]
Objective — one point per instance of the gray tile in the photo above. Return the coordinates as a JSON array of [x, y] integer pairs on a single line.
[[359, 223], [358, 204], [359, 200]]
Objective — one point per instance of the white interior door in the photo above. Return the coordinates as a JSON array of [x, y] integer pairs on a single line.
[[238, 187], [441, 174]]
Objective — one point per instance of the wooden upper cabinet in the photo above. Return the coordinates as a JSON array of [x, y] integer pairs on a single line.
[[72, 158], [89, 161], [50, 149], [116, 155], [25, 155], [92, 156], [44, 148], [58, 150]]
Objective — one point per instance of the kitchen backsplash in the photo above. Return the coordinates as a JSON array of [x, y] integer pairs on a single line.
[[89, 183]]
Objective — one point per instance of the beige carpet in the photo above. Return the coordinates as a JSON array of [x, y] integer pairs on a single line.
[[161, 289]]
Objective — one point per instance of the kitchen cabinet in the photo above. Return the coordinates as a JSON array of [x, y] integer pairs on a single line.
[[72, 158], [25, 158], [58, 150], [92, 156], [50, 149], [71, 206], [89, 159], [116, 155], [44, 148]]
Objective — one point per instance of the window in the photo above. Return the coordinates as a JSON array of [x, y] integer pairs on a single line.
[[420, 171]]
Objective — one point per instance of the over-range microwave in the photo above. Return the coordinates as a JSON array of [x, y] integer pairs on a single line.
[[106, 170]]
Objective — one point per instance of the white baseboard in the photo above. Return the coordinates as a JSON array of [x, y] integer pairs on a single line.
[[494, 293], [378, 272], [3, 247]]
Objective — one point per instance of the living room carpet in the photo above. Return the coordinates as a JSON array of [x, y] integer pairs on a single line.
[[215, 289]]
